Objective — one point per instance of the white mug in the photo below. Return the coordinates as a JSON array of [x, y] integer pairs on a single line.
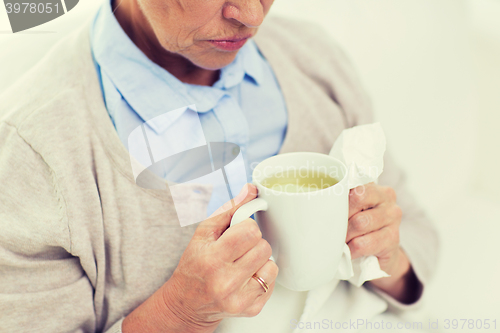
[[306, 230]]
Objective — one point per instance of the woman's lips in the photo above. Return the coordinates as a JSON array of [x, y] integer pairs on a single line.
[[231, 44]]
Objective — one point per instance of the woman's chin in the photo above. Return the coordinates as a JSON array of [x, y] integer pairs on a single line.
[[216, 61]]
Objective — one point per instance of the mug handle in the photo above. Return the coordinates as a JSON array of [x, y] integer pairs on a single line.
[[248, 210]]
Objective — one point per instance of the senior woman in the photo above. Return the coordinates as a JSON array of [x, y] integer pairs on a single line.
[[83, 248]]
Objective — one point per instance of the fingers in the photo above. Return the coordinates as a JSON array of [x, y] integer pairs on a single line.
[[268, 274], [219, 221], [240, 239], [259, 303], [254, 259], [373, 219], [251, 297], [377, 243], [369, 196], [247, 193]]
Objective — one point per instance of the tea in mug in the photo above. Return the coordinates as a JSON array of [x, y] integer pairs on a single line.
[[299, 180]]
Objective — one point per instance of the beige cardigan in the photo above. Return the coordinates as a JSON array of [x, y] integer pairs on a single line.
[[81, 245]]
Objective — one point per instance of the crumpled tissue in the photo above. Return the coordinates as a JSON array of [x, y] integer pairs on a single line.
[[362, 149]]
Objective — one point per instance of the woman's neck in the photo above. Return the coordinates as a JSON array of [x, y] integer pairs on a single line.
[[135, 25]]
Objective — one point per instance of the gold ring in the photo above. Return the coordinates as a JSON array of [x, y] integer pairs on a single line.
[[261, 281]]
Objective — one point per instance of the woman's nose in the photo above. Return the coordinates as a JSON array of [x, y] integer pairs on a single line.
[[247, 12]]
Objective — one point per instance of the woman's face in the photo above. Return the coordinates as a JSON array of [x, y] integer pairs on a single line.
[[209, 33]]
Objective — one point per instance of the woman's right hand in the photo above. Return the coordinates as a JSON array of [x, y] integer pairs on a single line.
[[213, 279]]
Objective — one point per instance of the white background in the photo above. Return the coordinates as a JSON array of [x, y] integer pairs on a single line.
[[432, 68]]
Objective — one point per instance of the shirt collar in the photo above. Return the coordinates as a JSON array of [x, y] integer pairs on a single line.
[[149, 89], [248, 63]]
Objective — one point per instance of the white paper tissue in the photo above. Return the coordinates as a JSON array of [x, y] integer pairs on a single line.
[[362, 149]]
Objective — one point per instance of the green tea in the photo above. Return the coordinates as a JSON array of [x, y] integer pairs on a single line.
[[299, 180]]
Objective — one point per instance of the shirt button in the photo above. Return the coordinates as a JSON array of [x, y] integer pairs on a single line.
[[236, 151]]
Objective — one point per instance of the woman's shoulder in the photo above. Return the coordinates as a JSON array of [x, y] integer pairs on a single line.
[[46, 92], [289, 26], [299, 37], [49, 106], [52, 108], [313, 51]]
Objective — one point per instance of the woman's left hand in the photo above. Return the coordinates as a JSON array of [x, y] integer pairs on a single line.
[[373, 229]]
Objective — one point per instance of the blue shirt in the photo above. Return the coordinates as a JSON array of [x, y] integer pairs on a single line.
[[245, 106]]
